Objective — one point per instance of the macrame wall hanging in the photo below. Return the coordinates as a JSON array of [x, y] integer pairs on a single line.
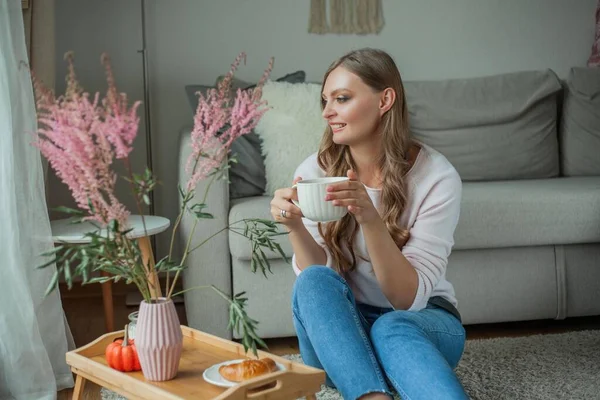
[[360, 17]]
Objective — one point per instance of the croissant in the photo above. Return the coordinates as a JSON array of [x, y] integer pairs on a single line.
[[247, 369]]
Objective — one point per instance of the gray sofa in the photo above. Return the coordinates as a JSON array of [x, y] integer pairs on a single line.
[[527, 246]]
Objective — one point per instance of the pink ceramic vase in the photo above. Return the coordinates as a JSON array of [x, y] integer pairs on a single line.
[[158, 340]]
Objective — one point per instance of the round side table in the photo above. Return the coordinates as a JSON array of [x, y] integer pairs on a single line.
[[63, 231]]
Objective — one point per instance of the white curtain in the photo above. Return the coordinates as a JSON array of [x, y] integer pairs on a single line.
[[34, 336]]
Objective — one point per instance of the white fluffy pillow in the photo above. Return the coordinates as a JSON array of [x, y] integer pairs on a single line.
[[290, 131]]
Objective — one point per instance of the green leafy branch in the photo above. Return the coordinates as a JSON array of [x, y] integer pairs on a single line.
[[238, 318], [110, 251]]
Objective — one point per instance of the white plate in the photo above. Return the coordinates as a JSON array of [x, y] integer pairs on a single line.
[[212, 375]]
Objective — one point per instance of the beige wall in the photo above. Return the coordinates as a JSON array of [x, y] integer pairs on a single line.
[[193, 41]]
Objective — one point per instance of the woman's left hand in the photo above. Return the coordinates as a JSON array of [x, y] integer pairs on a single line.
[[353, 194]]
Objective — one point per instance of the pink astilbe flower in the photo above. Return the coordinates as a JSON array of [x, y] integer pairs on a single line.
[[81, 137], [257, 92], [120, 122], [224, 87], [219, 120]]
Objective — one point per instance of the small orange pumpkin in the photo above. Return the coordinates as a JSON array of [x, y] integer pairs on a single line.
[[122, 355]]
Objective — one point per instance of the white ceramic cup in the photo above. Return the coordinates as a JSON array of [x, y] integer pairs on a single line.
[[311, 199]]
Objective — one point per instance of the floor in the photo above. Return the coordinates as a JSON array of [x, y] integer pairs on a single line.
[[84, 311]]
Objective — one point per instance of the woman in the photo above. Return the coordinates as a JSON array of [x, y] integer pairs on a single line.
[[371, 303]]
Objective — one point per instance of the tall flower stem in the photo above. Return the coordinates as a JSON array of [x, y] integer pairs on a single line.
[[186, 199], [149, 265], [190, 237]]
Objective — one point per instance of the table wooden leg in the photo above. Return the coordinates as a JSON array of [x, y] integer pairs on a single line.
[[107, 300], [79, 387], [148, 259]]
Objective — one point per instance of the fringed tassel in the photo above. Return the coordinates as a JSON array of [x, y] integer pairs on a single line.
[[346, 16], [318, 17], [375, 16], [369, 17], [341, 15], [360, 26]]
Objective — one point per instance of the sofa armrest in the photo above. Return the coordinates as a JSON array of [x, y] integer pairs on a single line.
[[209, 264]]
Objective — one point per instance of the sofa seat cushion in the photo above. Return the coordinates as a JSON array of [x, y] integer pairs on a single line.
[[493, 215], [529, 213]]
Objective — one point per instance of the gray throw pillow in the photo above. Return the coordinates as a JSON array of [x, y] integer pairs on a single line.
[[580, 125], [490, 128], [247, 176]]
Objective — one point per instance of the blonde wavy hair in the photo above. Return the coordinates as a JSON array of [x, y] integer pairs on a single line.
[[379, 71]]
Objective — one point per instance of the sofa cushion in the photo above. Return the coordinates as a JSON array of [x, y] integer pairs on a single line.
[[497, 127], [529, 213], [493, 215], [580, 126], [290, 131]]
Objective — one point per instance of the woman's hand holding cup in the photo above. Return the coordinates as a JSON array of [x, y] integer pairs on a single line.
[[282, 208]]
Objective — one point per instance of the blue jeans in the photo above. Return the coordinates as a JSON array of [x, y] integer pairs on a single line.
[[364, 349]]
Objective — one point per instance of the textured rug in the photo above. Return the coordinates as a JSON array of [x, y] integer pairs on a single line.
[[557, 366]]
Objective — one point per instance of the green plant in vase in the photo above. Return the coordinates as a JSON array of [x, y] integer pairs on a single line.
[[82, 136]]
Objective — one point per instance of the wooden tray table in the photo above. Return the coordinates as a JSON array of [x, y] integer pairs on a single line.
[[200, 351]]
